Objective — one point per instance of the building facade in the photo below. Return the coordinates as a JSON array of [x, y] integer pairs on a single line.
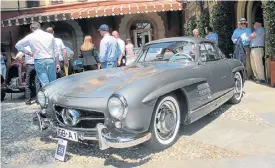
[[141, 21]]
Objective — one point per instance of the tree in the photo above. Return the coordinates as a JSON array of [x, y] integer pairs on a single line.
[[221, 22], [269, 14], [203, 21], [189, 26]]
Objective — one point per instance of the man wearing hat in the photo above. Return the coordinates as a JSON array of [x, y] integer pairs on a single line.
[[244, 32], [257, 51], [109, 51]]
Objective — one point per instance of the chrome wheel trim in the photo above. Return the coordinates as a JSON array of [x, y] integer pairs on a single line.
[[238, 86], [167, 120]]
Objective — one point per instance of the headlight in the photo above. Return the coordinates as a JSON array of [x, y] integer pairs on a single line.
[[117, 107], [42, 99]]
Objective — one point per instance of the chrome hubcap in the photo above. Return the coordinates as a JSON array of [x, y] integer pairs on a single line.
[[238, 89], [166, 120]]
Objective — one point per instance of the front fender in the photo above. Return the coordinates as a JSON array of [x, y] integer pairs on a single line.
[[237, 69], [171, 87]]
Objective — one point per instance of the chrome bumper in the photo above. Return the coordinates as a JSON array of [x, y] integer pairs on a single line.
[[106, 140]]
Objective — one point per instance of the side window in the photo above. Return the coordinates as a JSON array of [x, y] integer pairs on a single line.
[[187, 50], [152, 54], [167, 54], [203, 53], [208, 52]]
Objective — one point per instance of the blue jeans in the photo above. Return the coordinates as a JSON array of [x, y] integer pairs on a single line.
[[107, 65], [3, 70], [46, 70]]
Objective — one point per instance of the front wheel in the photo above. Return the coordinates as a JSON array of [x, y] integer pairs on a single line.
[[238, 89], [165, 123]]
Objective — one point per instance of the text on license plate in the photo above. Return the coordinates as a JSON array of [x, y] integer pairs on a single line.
[[67, 134]]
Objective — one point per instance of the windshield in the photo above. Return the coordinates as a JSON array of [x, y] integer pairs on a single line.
[[169, 51]]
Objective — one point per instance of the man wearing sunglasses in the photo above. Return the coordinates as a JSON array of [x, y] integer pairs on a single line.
[[244, 32]]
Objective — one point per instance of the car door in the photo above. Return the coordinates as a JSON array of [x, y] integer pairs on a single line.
[[198, 94], [219, 68]]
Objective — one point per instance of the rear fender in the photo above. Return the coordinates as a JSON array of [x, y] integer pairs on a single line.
[[240, 69]]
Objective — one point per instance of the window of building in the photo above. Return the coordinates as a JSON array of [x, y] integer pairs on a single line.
[[33, 3], [54, 2]]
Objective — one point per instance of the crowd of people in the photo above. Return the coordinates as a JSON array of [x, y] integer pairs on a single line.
[[252, 42], [46, 58]]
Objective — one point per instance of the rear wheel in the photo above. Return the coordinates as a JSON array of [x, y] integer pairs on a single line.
[[238, 89], [165, 123]]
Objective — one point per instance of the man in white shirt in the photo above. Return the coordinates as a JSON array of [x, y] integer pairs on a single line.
[[42, 46], [121, 43], [30, 76], [61, 53]]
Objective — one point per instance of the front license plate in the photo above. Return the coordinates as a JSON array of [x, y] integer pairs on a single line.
[[67, 134]]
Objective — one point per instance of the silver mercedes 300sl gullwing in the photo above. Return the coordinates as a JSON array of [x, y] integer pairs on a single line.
[[173, 82]]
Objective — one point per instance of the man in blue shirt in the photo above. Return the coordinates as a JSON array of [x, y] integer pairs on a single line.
[[211, 36], [257, 51], [244, 33], [109, 51]]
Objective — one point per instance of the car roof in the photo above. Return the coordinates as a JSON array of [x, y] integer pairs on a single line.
[[183, 38]]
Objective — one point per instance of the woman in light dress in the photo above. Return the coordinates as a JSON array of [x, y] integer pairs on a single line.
[[130, 55]]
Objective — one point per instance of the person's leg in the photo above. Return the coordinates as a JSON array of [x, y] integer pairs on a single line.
[[61, 72], [94, 67], [41, 71], [51, 69], [259, 53], [107, 65], [29, 69], [3, 70], [248, 62], [37, 83], [253, 63]]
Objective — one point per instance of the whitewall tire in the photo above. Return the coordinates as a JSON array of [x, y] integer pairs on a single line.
[[238, 89], [165, 123]]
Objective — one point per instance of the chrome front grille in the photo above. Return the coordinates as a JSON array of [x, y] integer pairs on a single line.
[[87, 119]]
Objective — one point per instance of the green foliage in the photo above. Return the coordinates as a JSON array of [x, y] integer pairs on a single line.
[[189, 26], [269, 14], [203, 21], [221, 23]]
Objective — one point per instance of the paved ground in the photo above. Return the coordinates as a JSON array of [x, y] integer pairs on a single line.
[[233, 136]]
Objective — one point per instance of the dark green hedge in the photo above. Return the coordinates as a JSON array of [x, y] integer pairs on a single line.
[[189, 26], [221, 22], [269, 14], [203, 21]]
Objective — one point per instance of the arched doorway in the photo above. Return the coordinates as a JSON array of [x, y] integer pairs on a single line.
[[129, 23], [141, 32], [69, 31], [250, 9]]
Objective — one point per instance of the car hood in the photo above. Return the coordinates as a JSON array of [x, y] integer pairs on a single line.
[[103, 83]]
